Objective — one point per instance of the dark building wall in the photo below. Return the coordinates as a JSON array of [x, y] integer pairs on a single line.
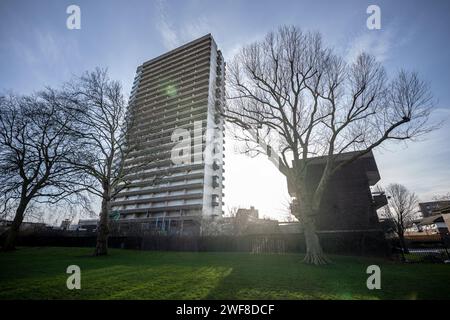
[[347, 203]]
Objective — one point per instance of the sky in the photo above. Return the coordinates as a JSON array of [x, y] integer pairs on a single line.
[[37, 50]]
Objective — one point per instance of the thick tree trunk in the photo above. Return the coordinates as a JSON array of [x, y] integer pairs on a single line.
[[314, 253], [10, 241], [101, 248]]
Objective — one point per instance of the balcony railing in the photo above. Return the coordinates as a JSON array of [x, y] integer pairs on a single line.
[[379, 200]]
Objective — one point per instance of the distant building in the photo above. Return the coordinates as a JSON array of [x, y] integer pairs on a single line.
[[243, 213], [89, 225], [65, 224], [432, 208], [247, 222], [436, 218], [440, 223], [73, 227], [348, 203]]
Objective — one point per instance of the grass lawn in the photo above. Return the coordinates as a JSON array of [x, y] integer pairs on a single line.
[[40, 273]]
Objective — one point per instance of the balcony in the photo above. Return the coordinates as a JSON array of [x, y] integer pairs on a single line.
[[215, 200], [216, 181], [379, 200]]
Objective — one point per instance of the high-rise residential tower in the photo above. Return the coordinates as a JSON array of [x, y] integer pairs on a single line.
[[176, 140]]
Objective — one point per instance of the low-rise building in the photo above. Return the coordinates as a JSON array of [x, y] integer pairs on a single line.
[[348, 202], [89, 225], [432, 208], [440, 223], [246, 222]]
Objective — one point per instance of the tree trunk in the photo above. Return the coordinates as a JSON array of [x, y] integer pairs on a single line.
[[10, 241], [314, 253], [101, 248], [401, 237]]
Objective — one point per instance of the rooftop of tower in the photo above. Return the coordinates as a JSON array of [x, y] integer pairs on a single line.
[[178, 49]]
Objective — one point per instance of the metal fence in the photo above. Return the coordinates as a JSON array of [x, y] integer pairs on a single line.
[[426, 249], [351, 243]]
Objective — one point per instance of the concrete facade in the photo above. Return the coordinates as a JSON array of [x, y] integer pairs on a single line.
[[175, 105]]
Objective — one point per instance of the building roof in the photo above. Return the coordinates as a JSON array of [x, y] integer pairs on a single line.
[[340, 157], [178, 49], [250, 212], [431, 220], [371, 167], [434, 206]]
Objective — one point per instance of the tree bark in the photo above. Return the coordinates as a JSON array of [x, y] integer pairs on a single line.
[[405, 250], [314, 253], [10, 241], [101, 248]]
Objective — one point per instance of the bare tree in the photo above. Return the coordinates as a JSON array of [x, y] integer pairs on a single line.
[[401, 210], [442, 197], [104, 131], [35, 143], [100, 131], [291, 90], [232, 215]]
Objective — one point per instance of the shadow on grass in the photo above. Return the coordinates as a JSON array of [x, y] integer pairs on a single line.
[[287, 277], [40, 273]]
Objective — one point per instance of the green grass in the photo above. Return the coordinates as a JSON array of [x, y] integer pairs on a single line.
[[40, 273]]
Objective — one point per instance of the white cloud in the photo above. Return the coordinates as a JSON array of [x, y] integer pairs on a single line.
[[50, 47], [175, 35], [378, 43], [166, 29], [195, 29]]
